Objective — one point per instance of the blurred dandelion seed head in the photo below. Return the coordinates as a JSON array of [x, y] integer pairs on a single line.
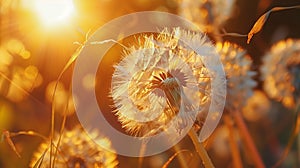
[[206, 14], [160, 79], [281, 72], [220, 141], [240, 82], [78, 149], [257, 107]]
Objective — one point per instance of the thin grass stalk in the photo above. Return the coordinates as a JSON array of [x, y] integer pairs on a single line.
[[180, 157], [61, 129], [173, 156]]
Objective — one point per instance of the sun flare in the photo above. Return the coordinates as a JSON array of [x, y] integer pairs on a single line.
[[53, 11]]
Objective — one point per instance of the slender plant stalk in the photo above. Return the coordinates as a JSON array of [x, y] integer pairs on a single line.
[[200, 150], [180, 157], [61, 128], [237, 162], [243, 130], [174, 155], [142, 152]]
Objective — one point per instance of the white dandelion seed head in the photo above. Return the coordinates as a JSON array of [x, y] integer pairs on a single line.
[[143, 109], [206, 14], [78, 149], [240, 82], [281, 72]]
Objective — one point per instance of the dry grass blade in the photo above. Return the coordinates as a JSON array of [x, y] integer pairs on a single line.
[[225, 33], [39, 162], [30, 133], [173, 156], [61, 129], [262, 20], [69, 63], [7, 137]]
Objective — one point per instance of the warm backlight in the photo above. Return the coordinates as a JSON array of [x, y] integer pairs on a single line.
[[54, 11]]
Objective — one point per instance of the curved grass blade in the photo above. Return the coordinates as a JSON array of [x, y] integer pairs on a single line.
[[69, 63], [263, 18], [39, 162], [7, 137]]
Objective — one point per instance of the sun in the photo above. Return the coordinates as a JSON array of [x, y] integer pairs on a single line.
[[52, 12]]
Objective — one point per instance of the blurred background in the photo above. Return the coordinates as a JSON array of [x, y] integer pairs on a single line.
[[37, 40]]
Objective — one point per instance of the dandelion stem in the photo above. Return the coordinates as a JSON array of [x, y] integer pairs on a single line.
[[142, 152], [232, 143], [200, 150], [243, 130]]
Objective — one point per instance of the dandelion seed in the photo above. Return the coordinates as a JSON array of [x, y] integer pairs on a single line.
[[159, 79], [240, 82], [281, 72], [77, 149]]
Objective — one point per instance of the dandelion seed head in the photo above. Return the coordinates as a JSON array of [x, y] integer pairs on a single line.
[[77, 149], [281, 72], [159, 79], [240, 82]]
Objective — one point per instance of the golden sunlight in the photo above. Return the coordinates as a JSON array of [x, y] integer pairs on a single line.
[[53, 11]]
